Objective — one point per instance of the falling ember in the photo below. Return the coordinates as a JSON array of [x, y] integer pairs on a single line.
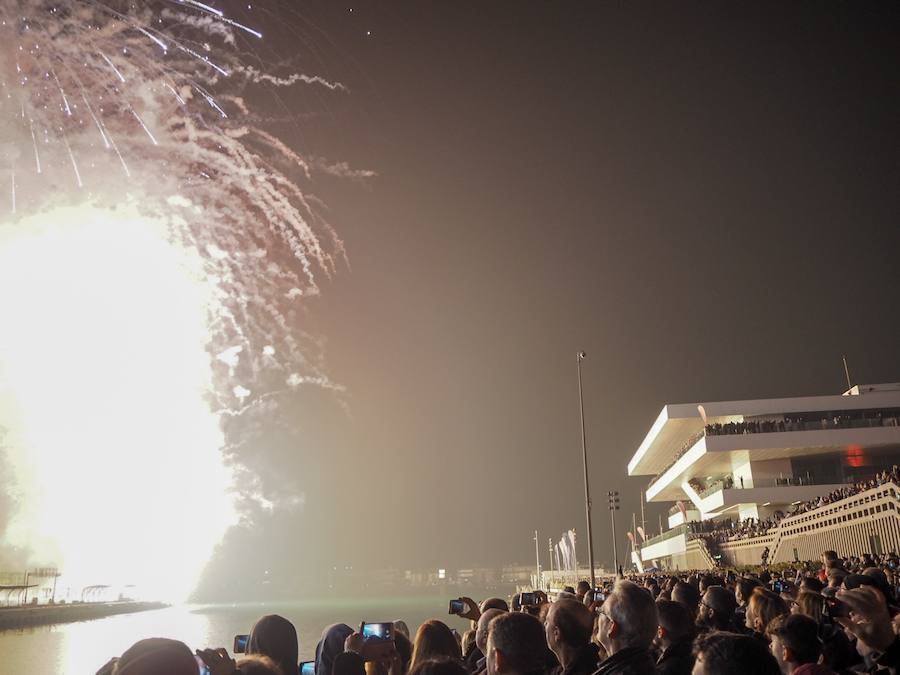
[[150, 229]]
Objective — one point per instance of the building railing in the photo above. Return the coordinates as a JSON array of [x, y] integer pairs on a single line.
[[665, 536]]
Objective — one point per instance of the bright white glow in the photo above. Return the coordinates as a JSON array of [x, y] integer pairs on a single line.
[[104, 378]]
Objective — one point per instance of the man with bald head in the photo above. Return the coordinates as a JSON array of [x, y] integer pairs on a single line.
[[475, 661], [569, 626]]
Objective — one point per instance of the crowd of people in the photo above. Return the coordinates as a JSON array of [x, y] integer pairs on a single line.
[[788, 423], [732, 530], [840, 618]]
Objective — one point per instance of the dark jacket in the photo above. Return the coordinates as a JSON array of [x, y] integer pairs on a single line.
[[678, 659], [630, 661], [472, 659], [585, 662]]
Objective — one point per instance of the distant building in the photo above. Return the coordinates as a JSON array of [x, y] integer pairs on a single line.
[[736, 469]]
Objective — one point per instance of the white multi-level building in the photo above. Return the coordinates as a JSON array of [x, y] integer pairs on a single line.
[[744, 467]]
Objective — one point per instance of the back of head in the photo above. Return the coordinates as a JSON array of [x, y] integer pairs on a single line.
[[811, 584], [723, 653], [799, 634], [331, 644], [745, 586], [687, 595], [634, 611], [484, 624], [723, 604], [573, 621], [764, 606], [442, 666], [829, 558], [520, 640], [811, 605], [675, 620], [257, 664], [582, 588], [494, 603], [404, 649], [434, 640], [569, 589], [710, 580], [157, 656], [275, 637]]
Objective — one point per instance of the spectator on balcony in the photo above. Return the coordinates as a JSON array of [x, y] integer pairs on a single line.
[[674, 639], [717, 610]]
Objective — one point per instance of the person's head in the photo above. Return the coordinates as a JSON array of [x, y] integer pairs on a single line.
[[835, 576], [157, 656], [582, 588], [674, 623], [434, 640], [720, 653], [829, 558], [516, 604], [811, 584], [709, 580], [401, 627], [404, 650], [481, 630], [717, 609], [689, 596], [494, 603], [569, 625], [439, 666], [811, 605], [517, 645], [764, 605], [743, 589], [257, 664], [569, 589], [794, 641], [275, 637], [330, 645], [627, 618]]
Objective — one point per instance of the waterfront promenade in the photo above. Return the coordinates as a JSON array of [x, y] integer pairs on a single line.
[[40, 615]]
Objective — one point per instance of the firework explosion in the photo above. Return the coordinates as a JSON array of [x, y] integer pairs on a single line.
[[154, 247]]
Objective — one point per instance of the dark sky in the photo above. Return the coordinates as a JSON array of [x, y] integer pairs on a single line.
[[703, 196]]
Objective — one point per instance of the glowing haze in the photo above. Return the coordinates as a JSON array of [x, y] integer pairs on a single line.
[[153, 247]]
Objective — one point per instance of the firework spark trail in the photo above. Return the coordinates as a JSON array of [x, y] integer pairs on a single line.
[[138, 106]]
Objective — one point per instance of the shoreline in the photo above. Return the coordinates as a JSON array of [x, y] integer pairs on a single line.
[[14, 618]]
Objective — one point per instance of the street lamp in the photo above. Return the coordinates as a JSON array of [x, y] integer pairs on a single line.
[[587, 490], [613, 507]]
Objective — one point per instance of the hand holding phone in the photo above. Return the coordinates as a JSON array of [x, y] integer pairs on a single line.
[[457, 606]]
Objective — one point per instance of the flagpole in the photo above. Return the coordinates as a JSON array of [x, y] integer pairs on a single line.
[[587, 490]]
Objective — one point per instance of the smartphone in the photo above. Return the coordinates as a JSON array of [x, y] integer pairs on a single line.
[[378, 631], [308, 668], [836, 608], [240, 644], [526, 599], [457, 607], [778, 586], [599, 596]]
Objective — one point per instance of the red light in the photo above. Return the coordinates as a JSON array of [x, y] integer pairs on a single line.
[[855, 456]]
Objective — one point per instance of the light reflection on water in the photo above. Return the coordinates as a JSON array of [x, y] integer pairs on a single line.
[[82, 648]]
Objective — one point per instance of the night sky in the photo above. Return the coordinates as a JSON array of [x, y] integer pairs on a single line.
[[702, 196]]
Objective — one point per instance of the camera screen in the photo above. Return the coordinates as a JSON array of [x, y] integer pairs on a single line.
[[457, 606], [308, 668], [240, 644], [382, 631]]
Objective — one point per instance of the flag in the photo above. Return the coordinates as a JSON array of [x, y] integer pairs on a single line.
[[641, 532]]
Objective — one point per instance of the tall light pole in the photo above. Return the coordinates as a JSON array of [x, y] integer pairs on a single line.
[[537, 559], [613, 507], [587, 490]]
